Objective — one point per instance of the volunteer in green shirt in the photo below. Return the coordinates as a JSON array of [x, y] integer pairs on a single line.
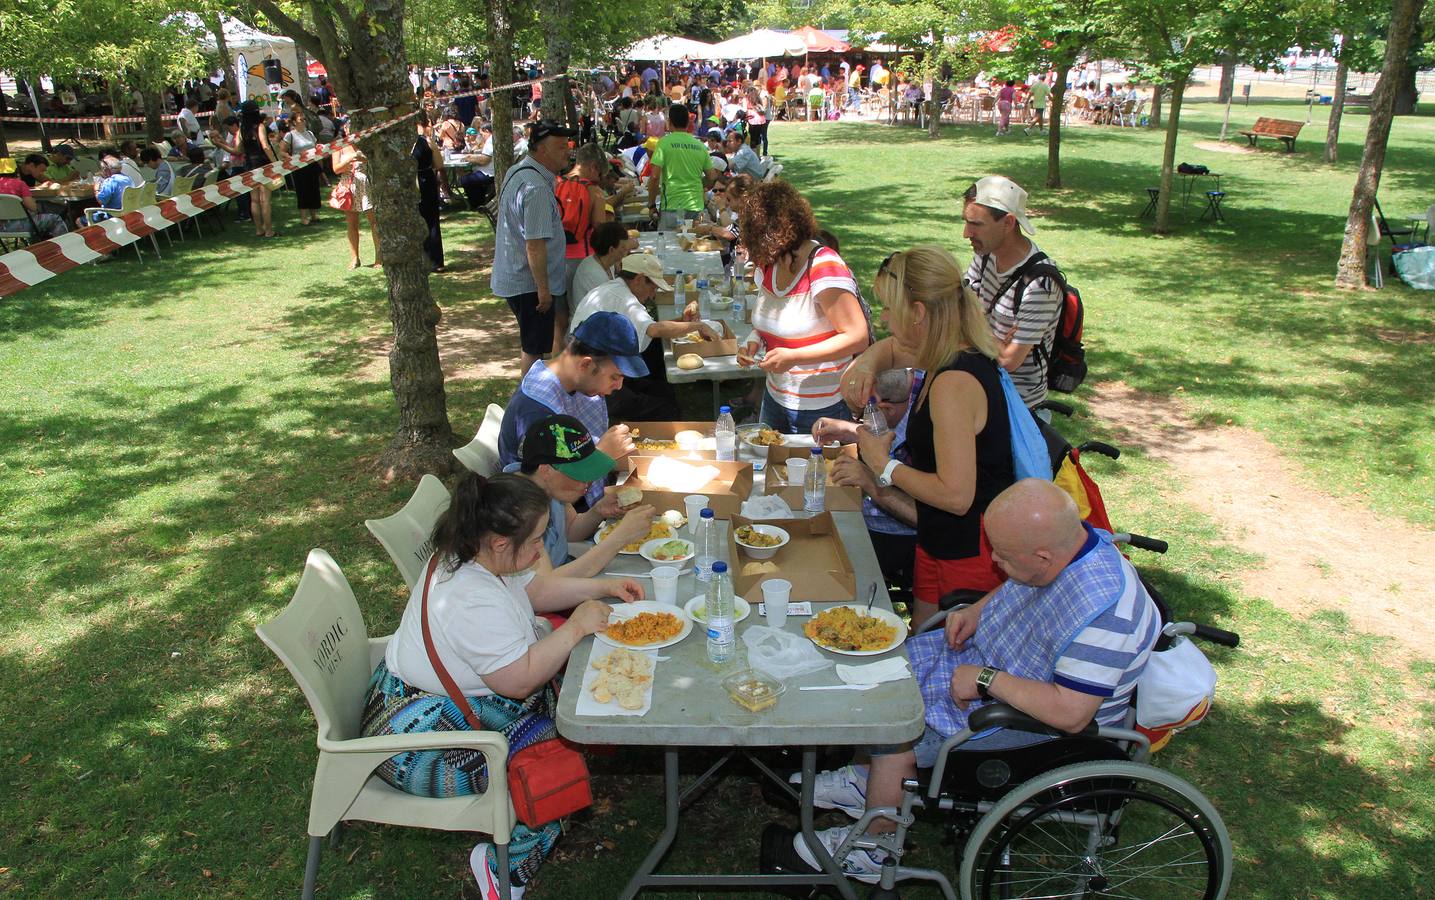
[[60, 170], [682, 173], [1040, 92]]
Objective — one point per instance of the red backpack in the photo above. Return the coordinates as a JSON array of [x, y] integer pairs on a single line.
[[1066, 361], [576, 204]]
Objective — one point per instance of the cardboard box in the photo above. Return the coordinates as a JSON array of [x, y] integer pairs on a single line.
[[814, 560], [666, 298], [840, 497], [664, 431], [725, 347], [725, 493]]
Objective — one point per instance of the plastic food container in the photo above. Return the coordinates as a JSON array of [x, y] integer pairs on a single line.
[[754, 691]]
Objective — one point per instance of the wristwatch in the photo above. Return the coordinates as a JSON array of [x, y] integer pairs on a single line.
[[885, 479], [984, 682]]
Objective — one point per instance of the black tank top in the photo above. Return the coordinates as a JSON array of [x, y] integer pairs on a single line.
[[940, 533]]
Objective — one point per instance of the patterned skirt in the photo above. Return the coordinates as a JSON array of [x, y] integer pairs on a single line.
[[393, 707]]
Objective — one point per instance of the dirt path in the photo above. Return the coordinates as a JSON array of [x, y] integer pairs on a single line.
[[1319, 552]]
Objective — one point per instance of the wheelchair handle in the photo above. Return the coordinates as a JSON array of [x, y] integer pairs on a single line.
[[1204, 632], [1101, 447], [1000, 715], [1141, 542], [1056, 406]]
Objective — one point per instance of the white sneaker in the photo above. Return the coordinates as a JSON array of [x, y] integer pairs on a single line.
[[487, 880], [844, 789], [859, 864]]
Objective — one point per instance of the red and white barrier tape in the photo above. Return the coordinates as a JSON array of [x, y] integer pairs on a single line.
[[31, 265], [94, 120]]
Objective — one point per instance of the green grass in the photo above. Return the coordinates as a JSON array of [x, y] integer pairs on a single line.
[[175, 437]]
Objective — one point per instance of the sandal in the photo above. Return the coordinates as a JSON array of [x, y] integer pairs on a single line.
[[353, 263]]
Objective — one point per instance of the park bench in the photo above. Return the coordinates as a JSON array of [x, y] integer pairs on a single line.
[[1281, 129], [1358, 99]]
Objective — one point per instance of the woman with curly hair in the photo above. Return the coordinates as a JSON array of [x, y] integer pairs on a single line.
[[807, 317]]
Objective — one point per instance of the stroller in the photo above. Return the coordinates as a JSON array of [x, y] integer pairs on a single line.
[[1083, 815]]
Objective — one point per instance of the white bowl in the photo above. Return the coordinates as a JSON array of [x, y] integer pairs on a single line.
[[649, 548], [746, 433], [763, 552]]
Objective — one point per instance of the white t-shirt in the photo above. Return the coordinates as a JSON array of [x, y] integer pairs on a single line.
[[480, 623], [614, 296], [188, 121], [487, 168], [589, 274]]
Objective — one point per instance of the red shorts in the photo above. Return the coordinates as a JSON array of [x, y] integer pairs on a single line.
[[934, 578]]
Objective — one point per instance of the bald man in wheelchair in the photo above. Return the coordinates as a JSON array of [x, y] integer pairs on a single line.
[[1063, 640]]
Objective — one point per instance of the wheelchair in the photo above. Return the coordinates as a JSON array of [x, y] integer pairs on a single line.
[[1081, 816]]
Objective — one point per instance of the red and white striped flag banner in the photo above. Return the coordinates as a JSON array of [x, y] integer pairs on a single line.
[[39, 262]]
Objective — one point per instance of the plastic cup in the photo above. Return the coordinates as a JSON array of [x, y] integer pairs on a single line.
[[694, 505], [665, 584], [797, 471], [775, 592]]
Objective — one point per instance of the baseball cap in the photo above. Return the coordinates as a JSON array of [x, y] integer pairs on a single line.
[[64, 150], [1006, 195], [646, 264], [563, 443], [615, 336], [547, 128]]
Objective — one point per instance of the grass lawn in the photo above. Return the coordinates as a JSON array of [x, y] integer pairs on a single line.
[[174, 437]]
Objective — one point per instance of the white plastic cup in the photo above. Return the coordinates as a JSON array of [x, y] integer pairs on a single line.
[[797, 471], [694, 503], [775, 592], [665, 584]]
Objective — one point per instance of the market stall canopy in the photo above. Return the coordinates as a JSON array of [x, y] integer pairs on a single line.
[[820, 41], [760, 44], [667, 48], [316, 68]]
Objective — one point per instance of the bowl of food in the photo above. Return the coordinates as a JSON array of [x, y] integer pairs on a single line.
[[754, 691], [658, 531], [759, 437], [668, 552], [760, 541], [720, 304]]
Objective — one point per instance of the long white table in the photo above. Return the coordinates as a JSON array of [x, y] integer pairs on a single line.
[[716, 369]]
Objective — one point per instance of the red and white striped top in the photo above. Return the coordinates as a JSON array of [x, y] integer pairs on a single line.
[[790, 316]]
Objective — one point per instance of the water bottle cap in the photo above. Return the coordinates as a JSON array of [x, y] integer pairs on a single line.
[[707, 513], [724, 409], [719, 567], [872, 399], [816, 451]]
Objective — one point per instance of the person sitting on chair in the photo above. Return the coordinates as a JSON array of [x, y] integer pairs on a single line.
[[1063, 640]]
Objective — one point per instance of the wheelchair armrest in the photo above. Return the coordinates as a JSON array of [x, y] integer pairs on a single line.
[[1000, 715]]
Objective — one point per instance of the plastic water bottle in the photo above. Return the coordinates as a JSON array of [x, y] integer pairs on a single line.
[[814, 490], [678, 289], [873, 419], [706, 546], [705, 300], [722, 639], [726, 434]]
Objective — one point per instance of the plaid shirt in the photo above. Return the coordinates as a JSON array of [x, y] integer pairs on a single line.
[[543, 387]]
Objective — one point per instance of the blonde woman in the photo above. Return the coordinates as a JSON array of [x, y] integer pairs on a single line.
[[349, 166], [958, 435]]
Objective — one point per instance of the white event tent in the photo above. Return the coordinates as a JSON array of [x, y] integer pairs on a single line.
[[667, 48], [760, 44]]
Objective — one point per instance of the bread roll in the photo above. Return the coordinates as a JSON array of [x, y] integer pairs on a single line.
[[759, 568], [628, 497], [690, 361]]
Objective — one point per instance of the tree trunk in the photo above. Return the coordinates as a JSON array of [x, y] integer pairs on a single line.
[[1337, 108], [1168, 157], [1350, 271], [1053, 125], [1228, 78], [153, 109], [1158, 93], [215, 23], [1405, 90], [559, 49], [934, 115], [500, 70]]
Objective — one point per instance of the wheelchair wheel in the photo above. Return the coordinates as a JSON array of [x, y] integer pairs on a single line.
[[1099, 829]]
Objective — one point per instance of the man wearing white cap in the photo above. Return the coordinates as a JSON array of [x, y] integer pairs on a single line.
[[1014, 280], [639, 279]]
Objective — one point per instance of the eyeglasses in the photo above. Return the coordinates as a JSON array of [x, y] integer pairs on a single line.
[[888, 261]]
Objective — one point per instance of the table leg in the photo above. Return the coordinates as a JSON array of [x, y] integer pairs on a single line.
[[809, 833], [670, 827], [717, 399]]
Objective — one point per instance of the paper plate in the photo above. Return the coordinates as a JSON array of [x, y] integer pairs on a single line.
[[694, 607], [609, 525], [890, 618], [625, 611]]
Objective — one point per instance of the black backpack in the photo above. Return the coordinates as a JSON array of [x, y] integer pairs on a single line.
[[1066, 361]]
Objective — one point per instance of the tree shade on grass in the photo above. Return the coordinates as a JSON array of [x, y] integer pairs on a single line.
[[175, 437]]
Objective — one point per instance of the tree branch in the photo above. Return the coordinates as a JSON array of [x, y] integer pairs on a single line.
[[292, 28]]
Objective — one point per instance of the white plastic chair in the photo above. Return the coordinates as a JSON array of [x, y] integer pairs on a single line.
[[323, 642], [12, 209], [774, 171], [481, 454], [1373, 238], [132, 198], [408, 533]]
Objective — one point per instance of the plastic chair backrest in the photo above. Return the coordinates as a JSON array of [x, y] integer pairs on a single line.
[[132, 198], [150, 193], [1373, 234], [481, 454], [408, 534], [323, 642], [180, 186], [11, 208]]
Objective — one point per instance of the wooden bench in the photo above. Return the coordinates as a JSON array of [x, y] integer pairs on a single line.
[[1358, 99], [1280, 129]]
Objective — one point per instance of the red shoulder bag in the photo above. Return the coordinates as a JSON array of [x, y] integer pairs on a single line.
[[547, 780]]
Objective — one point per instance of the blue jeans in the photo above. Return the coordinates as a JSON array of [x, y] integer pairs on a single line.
[[798, 421]]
